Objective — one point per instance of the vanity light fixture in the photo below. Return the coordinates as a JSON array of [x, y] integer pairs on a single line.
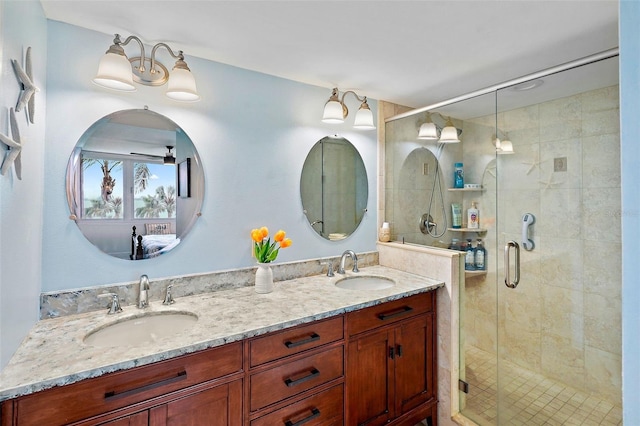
[[335, 111], [117, 71], [429, 131]]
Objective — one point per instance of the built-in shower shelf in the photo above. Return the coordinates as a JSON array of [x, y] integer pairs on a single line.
[[465, 189], [477, 230], [470, 274]]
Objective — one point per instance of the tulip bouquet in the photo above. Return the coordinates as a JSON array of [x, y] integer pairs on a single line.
[[263, 249]]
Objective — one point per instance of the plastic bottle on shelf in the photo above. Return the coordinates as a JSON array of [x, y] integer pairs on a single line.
[[455, 244], [473, 216], [456, 215], [469, 257], [458, 176], [480, 257]]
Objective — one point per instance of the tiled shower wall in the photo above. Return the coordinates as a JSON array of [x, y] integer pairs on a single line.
[[564, 319]]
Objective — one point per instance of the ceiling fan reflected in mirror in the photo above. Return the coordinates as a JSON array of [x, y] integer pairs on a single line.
[[167, 159]]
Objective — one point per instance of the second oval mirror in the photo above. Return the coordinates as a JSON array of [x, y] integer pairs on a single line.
[[135, 184], [334, 188]]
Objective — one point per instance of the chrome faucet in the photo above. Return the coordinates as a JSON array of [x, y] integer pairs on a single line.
[[329, 268], [143, 294], [354, 258], [114, 306]]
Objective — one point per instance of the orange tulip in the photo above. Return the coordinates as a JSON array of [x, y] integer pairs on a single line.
[[265, 232], [256, 235], [285, 243], [279, 236]]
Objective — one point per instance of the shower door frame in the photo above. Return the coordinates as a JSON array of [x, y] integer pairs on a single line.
[[456, 353]]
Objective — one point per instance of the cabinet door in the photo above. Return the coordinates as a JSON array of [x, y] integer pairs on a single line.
[[414, 381], [219, 406], [138, 419], [370, 379]]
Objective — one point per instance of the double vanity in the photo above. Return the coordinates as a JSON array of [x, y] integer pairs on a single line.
[[352, 349]]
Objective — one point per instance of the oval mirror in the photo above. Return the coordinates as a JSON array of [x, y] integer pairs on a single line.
[[334, 188], [135, 184]]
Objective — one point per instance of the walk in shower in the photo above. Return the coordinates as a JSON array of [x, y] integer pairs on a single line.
[[547, 348]]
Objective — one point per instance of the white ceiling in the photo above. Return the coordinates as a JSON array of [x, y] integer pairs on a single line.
[[413, 53]]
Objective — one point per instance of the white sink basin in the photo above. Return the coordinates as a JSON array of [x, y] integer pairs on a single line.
[[141, 330], [365, 283]]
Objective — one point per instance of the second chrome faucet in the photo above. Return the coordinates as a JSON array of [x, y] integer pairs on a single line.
[[143, 293], [354, 258]]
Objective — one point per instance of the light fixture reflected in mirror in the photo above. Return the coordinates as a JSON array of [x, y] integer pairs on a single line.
[[335, 111], [117, 71], [429, 131], [449, 134], [503, 146], [169, 159]]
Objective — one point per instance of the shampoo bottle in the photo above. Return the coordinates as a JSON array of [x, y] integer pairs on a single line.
[[470, 257], [458, 176], [473, 216], [456, 215], [481, 256]]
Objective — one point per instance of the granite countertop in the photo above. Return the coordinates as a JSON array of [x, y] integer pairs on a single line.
[[54, 354]]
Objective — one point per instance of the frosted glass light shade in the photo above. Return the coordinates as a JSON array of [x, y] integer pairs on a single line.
[[114, 72], [428, 132], [364, 120], [182, 86], [506, 147], [449, 135], [333, 113]]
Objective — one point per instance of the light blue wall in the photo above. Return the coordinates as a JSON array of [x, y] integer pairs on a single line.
[[253, 132], [22, 24], [630, 153]]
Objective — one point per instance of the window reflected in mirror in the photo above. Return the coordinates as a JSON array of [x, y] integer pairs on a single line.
[[122, 184]]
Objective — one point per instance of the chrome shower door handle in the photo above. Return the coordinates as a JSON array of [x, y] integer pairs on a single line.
[[507, 265]]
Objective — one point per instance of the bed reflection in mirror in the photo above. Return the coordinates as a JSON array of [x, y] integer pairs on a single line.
[[334, 188], [122, 184]]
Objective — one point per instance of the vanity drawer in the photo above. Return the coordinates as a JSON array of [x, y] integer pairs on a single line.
[[77, 401], [275, 384], [389, 313], [291, 341], [325, 408]]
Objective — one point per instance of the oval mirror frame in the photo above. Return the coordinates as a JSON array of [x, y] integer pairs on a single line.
[[155, 206], [334, 188]]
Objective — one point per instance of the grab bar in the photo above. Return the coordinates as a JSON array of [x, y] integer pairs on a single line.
[[507, 265]]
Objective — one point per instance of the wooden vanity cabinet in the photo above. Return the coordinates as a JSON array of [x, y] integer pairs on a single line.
[[391, 363], [296, 376], [372, 366], [217, 406], [208, 382]]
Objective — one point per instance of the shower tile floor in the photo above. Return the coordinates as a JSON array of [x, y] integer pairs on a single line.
[[530, 398]]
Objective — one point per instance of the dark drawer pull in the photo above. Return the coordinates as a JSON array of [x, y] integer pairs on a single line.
[[314, 373], [315, 413], [110, 396], [289, 344], [401, 311]]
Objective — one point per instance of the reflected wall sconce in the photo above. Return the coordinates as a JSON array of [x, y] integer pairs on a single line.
[[430, 131], [503, 146], [117, 71], [335, 111]]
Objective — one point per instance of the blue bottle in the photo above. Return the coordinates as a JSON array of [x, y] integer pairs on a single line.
[[458, 176]]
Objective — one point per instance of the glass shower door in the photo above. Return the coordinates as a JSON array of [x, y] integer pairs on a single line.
[[558, 204]]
